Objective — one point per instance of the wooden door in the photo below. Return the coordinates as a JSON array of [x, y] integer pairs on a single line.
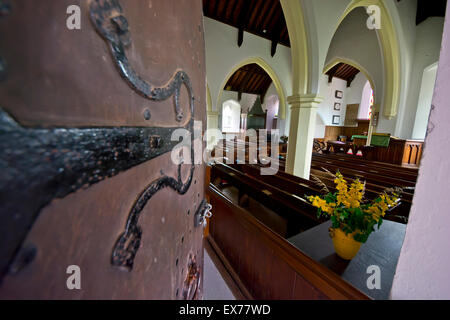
[[85, 131]]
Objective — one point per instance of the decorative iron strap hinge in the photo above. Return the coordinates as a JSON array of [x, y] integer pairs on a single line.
[[107, 16], [40, 164]]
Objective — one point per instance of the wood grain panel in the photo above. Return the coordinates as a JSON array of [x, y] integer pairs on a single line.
[[270, 265], [412, 152], [63, 78], [351, 115]]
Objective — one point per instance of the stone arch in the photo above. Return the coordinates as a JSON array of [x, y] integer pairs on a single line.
[[208, 99], [390, 48], [295, 23], [263, 64], [356, 65]]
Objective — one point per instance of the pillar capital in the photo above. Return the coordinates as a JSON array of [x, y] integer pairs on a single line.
[[212, 113], [304, 101]]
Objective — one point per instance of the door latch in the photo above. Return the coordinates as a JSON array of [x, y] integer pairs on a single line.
[[203, 213]]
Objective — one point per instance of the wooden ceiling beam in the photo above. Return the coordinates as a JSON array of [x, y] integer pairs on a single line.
[[262, 14], [276, 31], [249, 87], [255, 13], [206, 7], [229, 15], [243, 84], [349, 81], [212, 8], [250, 79], [219, 8], [259, 81], [268, 18], [243, 21], [343, 71], [330, 78], [331, 73], [253, 16]]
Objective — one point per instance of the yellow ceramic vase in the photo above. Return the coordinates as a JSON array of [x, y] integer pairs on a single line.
[[345, 246]]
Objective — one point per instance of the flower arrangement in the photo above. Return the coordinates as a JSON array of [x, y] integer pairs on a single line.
[[349, 211]]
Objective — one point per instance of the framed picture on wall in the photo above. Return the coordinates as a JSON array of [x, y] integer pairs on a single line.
[[336, 120], [338, 94], [337, 106]]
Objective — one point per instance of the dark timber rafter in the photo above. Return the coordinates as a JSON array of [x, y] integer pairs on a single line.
[[251, 79], [244, 83], [276, 35], [343, 71], [263, 18], [243, 21]]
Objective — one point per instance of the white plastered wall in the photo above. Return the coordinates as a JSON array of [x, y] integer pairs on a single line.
[[423, 267], [424, 102], [223, 54], [353, 41], [325, 110], [426, 52], [322, 17]]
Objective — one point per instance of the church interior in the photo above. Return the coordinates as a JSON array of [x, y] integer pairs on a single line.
[[336, 110], [323, 171]]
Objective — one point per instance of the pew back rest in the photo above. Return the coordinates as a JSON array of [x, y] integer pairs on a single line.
[[268, 265]]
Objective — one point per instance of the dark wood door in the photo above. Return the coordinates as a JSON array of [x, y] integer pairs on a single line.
[[85, 132]]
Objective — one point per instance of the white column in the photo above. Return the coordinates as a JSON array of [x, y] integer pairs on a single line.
[[301, 133]]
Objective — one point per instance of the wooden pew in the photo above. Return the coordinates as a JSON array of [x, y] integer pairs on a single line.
[[407, 173], [384, 181], [377, 188], [388, 181], [301, 187], [376, 182], [299, 213], [267, 265], [375, 164], [383, 177], [368, 167]]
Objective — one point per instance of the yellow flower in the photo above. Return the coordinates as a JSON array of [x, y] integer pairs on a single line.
[[318, 202], [351, 197], [391, 200], [375, 212]]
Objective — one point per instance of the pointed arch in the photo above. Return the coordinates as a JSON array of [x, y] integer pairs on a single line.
[[390, 48], [295, 22], [354, 64], [267, 68], [208, 99]]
